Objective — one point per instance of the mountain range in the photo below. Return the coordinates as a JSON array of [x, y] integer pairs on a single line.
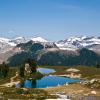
[[70, 51]]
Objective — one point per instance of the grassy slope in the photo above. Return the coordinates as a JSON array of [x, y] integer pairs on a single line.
[[11, 73], [15, 93], [21, 94]]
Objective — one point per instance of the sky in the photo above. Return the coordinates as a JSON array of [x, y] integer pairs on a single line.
[[50, 19]]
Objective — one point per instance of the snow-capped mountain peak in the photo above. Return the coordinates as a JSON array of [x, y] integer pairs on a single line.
[[78, 42], [4, 39], [19, 38], [71, 43], [7, 42], [38, 39]]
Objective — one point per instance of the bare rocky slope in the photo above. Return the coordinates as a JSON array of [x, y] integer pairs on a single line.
[[63, 52]]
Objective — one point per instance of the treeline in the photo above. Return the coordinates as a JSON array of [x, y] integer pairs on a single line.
[[30, 52], [85, 57]]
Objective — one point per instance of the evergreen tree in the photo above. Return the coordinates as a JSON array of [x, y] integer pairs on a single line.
[[98, 65], [21, 71], [32, 64], [4, 69]]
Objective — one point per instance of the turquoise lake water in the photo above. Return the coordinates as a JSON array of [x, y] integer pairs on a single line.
[[47, 81]]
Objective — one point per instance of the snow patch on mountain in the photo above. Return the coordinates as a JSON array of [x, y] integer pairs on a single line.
[[71, 43], [19, 40], [78, 42], [5, 41], [38, 39], [66, 46]]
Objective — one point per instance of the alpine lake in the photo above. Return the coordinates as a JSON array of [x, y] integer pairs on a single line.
[[47, 80]]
